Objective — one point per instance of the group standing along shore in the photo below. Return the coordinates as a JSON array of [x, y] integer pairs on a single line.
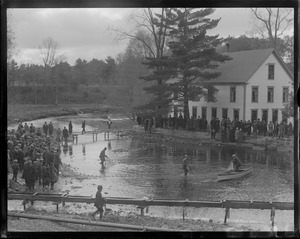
[[229, 130], [35, 153]]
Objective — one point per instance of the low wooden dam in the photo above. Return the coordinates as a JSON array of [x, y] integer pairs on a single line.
[[145, 203], [95, 133]]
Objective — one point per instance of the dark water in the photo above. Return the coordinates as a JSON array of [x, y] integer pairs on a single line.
[[137, 169]]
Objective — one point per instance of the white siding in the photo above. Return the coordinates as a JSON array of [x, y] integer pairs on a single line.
[[223, 101], [260, 79]]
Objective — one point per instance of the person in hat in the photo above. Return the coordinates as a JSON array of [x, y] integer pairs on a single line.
[[45, 128], [236, 162], [65, 134], [58, 134], [185, 164], [83, 127], [102, 156], [53, 176], [38, 166], [15, 168], [45, 173], [70, 128], [50, 129], [99, 203], [57, 160]]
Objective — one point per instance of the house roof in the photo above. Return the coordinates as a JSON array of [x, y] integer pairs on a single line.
[[244, 64]]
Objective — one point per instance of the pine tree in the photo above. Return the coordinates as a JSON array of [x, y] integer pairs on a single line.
[[190, 67]]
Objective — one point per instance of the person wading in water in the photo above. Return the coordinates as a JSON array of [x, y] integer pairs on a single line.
[[102, 156]]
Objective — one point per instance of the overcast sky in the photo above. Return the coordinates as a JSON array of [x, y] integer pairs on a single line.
[[82, 33]]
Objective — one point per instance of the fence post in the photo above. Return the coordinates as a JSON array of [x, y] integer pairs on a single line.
[[227, 214], [272, 218], [184, 209]]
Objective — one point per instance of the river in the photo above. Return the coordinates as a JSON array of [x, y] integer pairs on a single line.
[[136, 169]]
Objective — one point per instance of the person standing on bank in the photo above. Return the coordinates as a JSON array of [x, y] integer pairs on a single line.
[[185, 164], [109, 123], [65, 134], [50, 129], [102, 156], [70, 128], [99, 203], [83, 127]]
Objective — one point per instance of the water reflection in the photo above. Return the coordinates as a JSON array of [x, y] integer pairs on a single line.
[[71, 150], [83, 149], [65, 147]]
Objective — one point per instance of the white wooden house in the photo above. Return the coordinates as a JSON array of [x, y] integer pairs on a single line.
[[253, 85]]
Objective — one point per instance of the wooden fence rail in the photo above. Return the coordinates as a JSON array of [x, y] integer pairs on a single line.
[[145, 203]]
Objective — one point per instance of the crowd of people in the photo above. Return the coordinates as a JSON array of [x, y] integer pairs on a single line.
[[35, 153], [230, 130]]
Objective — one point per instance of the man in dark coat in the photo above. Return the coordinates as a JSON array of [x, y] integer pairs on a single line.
[[31, 176], [65, 134], [45, 128], [53, 176], [45, 173], [57, 160], [102, 156], [99, 203], [50, 129], [70, 128], [26, 171], [83, 127]]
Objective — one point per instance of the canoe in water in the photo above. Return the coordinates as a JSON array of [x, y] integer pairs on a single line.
[[228, 175]]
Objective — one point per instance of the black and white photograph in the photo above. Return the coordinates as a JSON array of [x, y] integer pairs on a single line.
[[164, 119]]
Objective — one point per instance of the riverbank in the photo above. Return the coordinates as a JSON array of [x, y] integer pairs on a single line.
[[25, 112], [160, 136], [110, 216]]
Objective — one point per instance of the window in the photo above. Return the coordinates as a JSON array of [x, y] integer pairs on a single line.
[[274, 115], [204, 112], [194, 112], [225, 113], [254, 94], [213, 112], [264, 116], [285, 94], [271, 71], [270, 94], [232, 94], [253, 115], [236, 114]]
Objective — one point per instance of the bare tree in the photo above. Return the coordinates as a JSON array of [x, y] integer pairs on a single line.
[[49, 52], [150, 30], [271, 23]]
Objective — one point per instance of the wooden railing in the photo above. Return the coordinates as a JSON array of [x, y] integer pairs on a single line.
[[145, 203]]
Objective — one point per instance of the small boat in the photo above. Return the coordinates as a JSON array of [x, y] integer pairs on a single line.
[[228, 175]]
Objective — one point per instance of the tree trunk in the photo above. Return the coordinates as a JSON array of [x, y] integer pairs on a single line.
[[56, 93], [186, 106]]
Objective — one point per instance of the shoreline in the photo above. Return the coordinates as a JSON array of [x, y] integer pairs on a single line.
[[19, 112], [34, 112]]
